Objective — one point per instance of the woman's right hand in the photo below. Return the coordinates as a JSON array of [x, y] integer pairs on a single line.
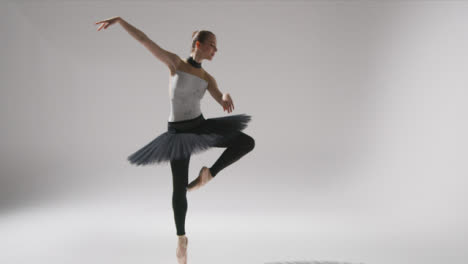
[[106, 23]]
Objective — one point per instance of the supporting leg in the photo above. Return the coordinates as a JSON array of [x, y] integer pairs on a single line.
[[180, 169]]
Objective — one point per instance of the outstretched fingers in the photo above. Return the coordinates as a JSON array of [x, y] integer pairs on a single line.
[[107, 22], [103, 25]]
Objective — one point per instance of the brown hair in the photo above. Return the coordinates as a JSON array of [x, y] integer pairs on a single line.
[[200, 35]]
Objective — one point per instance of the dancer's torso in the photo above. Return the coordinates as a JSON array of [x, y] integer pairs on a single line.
[[186, 89]]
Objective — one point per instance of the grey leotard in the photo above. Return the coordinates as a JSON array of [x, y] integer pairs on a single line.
[[185, 92]]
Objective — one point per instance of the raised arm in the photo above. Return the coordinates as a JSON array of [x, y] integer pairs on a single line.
[[170, 59], [224, 99]]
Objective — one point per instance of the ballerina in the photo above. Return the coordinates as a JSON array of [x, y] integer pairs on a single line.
[[188, 132]]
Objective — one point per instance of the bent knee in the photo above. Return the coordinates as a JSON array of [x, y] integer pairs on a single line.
[[249, 143]]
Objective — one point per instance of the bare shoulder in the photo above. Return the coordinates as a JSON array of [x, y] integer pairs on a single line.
[[176, 61], [208, 77]]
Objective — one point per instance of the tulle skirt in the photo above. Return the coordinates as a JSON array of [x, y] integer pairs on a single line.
[[187, 137]]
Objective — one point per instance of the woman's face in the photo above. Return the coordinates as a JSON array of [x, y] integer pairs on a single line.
[[209, 48]]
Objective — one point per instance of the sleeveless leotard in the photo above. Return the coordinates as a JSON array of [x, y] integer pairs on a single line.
[[185, 92]]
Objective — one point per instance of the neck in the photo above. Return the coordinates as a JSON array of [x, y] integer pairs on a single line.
[[194, 60], [196, 57]]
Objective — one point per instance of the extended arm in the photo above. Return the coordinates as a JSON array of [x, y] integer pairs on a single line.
[[170, 59], [133, 31]]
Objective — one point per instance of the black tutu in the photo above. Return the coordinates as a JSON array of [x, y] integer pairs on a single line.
[[187, 137]]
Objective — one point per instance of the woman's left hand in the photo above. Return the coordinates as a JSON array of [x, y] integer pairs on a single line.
[[228, 104]]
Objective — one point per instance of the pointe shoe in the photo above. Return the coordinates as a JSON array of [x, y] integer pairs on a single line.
[[181, 251], [203, 177]]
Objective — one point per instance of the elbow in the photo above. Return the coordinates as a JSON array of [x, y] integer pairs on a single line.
[[142, 37]]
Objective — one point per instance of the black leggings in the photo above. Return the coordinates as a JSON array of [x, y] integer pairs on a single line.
[[236, 147]]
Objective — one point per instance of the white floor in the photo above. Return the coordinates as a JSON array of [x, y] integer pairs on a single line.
[[138, 231]]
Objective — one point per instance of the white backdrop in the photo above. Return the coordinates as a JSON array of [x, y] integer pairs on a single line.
[[359, 116]]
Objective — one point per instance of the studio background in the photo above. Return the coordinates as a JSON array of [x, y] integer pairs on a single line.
[[359, 116]]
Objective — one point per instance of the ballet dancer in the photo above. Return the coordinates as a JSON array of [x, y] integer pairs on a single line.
[[188, 132]]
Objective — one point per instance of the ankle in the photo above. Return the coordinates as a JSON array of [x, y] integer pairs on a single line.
[[211, 172]]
